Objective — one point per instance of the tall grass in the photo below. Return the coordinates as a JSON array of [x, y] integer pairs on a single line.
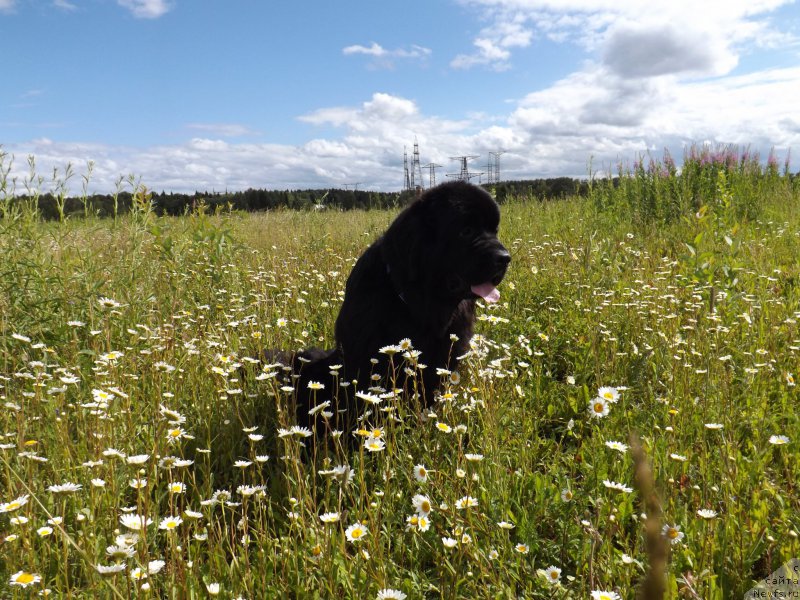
[[130, 366], [655, 189]]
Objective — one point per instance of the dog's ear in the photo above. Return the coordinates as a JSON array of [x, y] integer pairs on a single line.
[[404, 243]]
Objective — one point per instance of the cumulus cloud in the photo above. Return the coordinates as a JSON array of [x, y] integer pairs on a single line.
[[488, 53], [493, 45], [368, 147], [661, 49], [634, 38], [7, 5], [594, 113], [146, 9], [655, 75], [382, 109]]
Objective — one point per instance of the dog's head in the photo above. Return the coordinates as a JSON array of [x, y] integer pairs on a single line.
[[447, 242]]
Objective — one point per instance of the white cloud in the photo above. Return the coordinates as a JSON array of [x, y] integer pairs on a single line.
[[656, 75], [374, 50], [595, 112], [592, 113], [146, 9], [489, 53], [65, 5], [377, 50], [380, 110], [225, 130], [661, 49], [642, 86], [494, 44], [7, 5], [415, 52], [383, 58], [369, 148], [703, 37], [388, 107]]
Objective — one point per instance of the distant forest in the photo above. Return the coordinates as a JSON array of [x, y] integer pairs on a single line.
[[106, 205]]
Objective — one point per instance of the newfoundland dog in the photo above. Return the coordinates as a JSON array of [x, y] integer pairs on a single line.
[[416, 284]]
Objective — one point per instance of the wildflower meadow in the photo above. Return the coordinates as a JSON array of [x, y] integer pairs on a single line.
[[627, 412]]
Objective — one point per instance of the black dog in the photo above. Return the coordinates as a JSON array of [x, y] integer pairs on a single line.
[[417, 282]]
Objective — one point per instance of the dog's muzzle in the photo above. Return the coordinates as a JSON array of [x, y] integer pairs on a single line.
[[501, 260]]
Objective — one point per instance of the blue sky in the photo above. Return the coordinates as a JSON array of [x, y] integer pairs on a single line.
[[202, 95]]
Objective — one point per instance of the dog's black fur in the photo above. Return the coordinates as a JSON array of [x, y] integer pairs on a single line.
[[420, 281]]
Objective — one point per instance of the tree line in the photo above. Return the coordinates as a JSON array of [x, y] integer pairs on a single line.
[[51, 206]]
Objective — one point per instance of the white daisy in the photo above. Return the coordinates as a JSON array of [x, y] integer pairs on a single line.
[[169, 523], [390, 594], [673, 533], [15, 504], [422, 504], [374, 444], [64, 488], [135, 522], [466, 502], [24, 579], [618, 446], [598, 408], [613, 485], [329, 517], [552, 574], [111, 569], [609, 394], [420, 473], [356, 532]]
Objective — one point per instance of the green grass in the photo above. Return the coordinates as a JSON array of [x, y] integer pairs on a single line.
[[693, 315]]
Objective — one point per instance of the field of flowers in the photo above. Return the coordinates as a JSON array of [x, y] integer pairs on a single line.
[[147, 450]]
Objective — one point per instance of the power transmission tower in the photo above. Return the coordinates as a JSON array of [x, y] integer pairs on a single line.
[[416, 169], [431, 173], [407, 181], [465, 174], [494, 166], [355, 185]]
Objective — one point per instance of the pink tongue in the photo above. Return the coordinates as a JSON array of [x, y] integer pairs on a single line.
[[486, 291]]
